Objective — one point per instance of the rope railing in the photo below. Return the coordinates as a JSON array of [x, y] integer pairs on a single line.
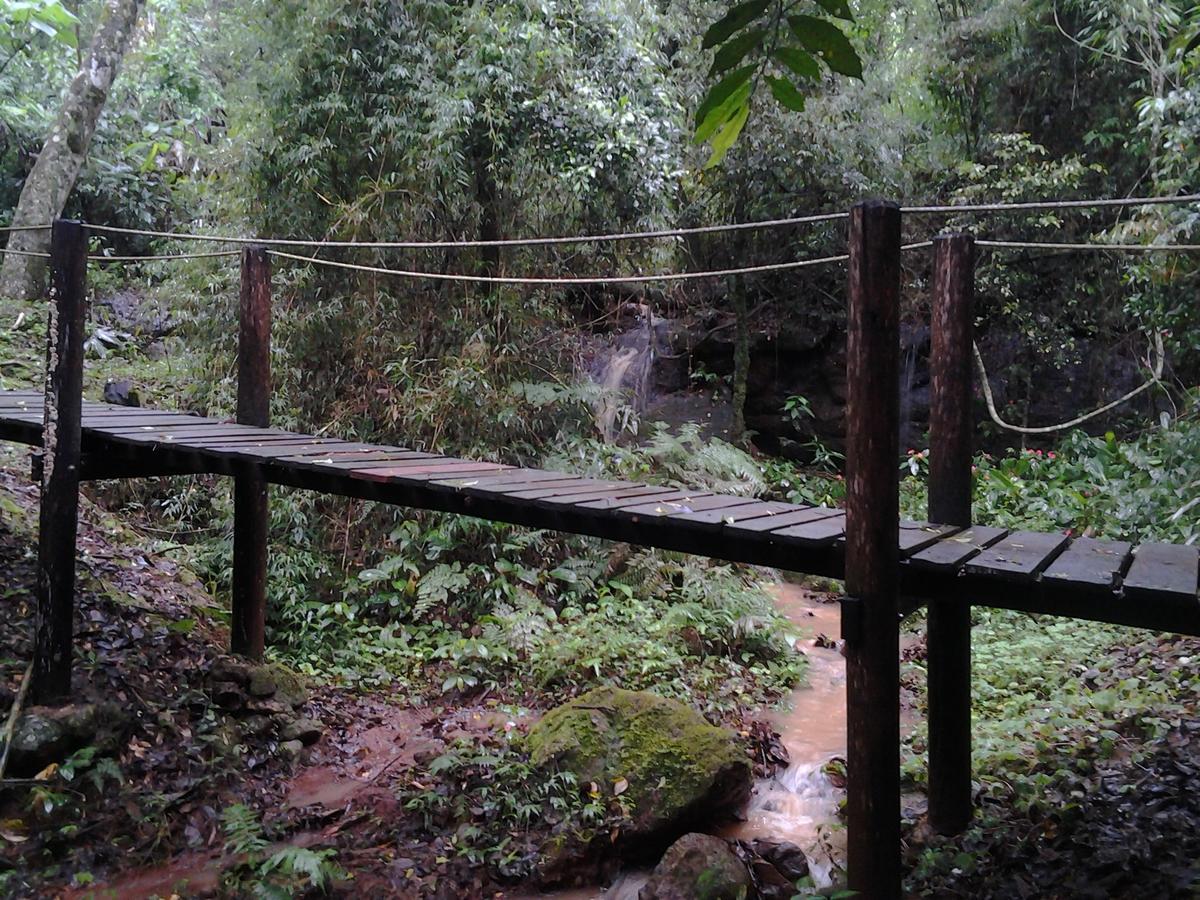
[[1156, 371], [1036, 205], [1048, 205], [1089, 246], [551, 280], [463, 244]]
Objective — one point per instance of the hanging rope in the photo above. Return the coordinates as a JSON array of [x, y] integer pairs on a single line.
[[1125, 248], [1156, 378], [167, 256], [564, 280], [1054, 204], [34, 253], [4, 228], [508, 242]]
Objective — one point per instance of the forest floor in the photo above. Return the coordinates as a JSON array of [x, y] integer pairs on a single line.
[[201, 799]]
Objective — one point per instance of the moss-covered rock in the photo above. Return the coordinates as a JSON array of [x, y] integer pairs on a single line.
[[673, 768]]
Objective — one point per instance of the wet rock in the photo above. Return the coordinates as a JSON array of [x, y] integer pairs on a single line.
[[46, 735], [786, 857], [121, 393], [278, 682], [268, 706], [256, 725], [307, 731], [672, 767], [698, 867], [228, 695], [291, 749], [226, 668]]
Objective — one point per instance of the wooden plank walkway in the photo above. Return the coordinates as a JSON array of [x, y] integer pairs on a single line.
[[1153, 586]]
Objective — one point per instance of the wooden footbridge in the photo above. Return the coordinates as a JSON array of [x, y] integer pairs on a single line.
[[889, 566]]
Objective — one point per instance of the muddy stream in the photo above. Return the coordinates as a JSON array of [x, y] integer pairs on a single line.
[[799, 802]]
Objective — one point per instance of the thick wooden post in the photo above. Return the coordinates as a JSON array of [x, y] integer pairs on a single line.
[[250, 505], [870, 619], [59, 516], [948, 630]]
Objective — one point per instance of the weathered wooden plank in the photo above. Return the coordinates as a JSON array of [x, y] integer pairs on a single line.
[[798, 516], [516, 486], [820, 532], [549, 490], [614, 504], [123, 421], [490, 482], [738, 514], [631, 491], [951, 552], [916, 536], [1164, 572], [1018, 557], [685, 505], [435, 467], [1088, 563]]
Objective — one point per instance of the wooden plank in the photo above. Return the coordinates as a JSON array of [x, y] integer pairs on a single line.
[[519, 485], [630, 491], [436, 467], [614, 504], [732, 516], [685, 505], [1018, 557], [818, 533], [491, 482], [798, 516], [951, 552], [1089, 563], [916, 536], [1165, 572], [550, 490]]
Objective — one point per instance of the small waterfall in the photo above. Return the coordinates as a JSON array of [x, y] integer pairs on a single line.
[[623, 373]]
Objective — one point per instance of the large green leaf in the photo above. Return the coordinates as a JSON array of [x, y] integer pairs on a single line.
[[786, 93], [827, 41], [721, 91], [801, 62], [734, 20], [735, 51], [722, 113], [728, 134], [839, 8]]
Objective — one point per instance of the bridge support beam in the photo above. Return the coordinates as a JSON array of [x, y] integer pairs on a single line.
[[948, 629], [58, 520], [871, 617], [251, 511]]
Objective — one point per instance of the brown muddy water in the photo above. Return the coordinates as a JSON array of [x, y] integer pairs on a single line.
[[798, 804]]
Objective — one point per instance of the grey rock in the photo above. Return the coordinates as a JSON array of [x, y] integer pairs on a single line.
[[698, 867]]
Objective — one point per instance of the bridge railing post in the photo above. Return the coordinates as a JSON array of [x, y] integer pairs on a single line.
[[251, 509], [870, 618], [948, 628], [58, 519]]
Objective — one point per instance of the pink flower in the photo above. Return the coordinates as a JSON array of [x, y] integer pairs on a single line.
[[1052, 455]]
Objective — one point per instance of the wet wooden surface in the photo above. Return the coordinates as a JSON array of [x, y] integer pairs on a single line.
[[1154, 585]]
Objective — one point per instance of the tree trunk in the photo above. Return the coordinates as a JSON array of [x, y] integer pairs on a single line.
[[45, 192]]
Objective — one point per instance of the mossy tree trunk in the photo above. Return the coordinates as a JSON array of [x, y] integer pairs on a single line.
[[49, 184]]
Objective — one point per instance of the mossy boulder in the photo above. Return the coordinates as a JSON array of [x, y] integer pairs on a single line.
[[673, 768]]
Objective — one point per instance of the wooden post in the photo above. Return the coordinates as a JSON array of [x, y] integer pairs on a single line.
[[948, 630], [250, 502], [58, 521], [871, 619]]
